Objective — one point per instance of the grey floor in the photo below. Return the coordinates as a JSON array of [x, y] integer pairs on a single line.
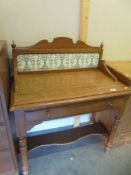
[[84, 157]]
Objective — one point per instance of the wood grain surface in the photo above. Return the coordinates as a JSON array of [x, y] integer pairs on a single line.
[[61, 86]]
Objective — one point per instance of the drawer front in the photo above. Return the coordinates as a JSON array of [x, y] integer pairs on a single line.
[[4, 144], [1, 113], [37, 116]]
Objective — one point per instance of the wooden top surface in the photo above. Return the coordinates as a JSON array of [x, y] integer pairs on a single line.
[[122, 66], [42, 90]]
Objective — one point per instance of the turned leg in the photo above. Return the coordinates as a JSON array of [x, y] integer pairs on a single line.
[[24, 155]]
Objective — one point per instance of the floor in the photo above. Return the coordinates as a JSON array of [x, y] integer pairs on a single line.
[[83, 157]]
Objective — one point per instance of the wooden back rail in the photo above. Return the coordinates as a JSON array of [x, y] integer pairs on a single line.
[[61, 54]]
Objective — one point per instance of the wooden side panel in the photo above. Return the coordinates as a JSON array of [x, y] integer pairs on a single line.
[[7, 154], [122, 128], [123, 133], [107, 117], [4, 71], [125, 126]]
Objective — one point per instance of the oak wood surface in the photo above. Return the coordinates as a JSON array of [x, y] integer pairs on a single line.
[[4, 71], [64, 86], [124, 67]]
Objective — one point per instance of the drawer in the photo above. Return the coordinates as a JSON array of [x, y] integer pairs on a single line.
[[37, 116], [3, 138]]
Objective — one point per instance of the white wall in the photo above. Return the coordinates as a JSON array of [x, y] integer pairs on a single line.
[[110, 21], [28, 21]]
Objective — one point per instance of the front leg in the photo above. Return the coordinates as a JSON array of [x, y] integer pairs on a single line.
[[24, 155], [20, 120]]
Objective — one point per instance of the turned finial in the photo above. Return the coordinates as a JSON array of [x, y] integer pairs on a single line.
[[13, 45], [102, 45]]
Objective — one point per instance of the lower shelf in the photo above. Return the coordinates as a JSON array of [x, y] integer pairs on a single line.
[[66, 136]]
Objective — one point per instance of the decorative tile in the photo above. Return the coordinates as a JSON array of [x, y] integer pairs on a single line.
[[44, 62]]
